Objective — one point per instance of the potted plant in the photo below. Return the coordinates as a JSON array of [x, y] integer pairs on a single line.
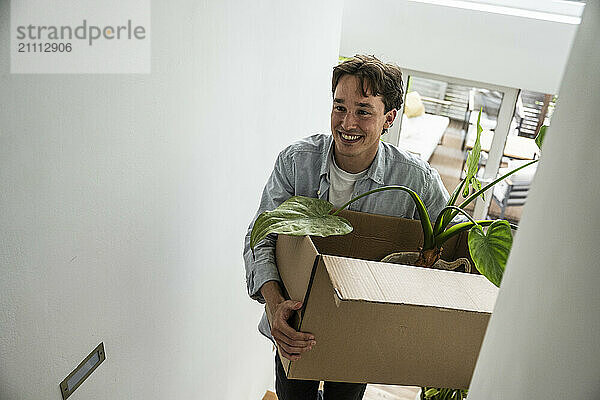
[[443, 394], [300, 216]]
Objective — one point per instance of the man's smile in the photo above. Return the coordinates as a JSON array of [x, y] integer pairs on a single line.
[[348, 137]]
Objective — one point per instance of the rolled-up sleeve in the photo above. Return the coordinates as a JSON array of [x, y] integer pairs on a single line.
[[261, 267]]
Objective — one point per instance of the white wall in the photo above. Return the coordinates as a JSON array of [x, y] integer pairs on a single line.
[[505, 50], [543, 340], [125, 198]]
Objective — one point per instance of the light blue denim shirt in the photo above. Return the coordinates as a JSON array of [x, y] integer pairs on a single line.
[[302, 169]]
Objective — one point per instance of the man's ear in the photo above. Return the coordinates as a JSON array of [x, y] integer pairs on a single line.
[[389, 118]]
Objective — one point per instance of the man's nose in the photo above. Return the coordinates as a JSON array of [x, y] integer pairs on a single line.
[[349, 122]]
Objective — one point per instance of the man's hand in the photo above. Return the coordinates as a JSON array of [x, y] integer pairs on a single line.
[[291, 342]]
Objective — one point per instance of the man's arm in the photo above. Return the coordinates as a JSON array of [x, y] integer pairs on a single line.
[[291, 343], [260, 266], [262, 278]]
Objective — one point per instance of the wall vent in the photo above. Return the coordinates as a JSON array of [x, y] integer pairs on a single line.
[[83, 370]]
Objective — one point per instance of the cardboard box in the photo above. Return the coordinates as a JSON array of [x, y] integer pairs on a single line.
[[383, 323], [269, 396]]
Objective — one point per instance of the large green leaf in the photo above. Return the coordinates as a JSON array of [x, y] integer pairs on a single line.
[[472, 164], [490, 251], [299, 216], [428, 237]]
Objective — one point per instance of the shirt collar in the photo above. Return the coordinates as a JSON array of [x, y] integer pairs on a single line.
[[325, 157], [377, 168], [375, 172]]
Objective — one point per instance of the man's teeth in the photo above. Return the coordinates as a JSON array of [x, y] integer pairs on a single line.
[[349, 137]]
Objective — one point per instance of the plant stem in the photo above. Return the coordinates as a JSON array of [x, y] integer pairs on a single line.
[[352, 200], [456, 192], [486, 187], [458, 228], [489, 185], [428, 238], [460, 210], [443, 215]]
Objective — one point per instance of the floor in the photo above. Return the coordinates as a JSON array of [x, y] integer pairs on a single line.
[[388, 392], [448, 158]]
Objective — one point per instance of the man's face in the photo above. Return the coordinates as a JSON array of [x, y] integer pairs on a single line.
[[356, 124]]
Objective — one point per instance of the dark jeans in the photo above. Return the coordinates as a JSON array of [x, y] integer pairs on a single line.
[[295, 389]]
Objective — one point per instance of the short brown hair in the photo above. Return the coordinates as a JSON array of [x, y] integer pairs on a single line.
[[375, 76]]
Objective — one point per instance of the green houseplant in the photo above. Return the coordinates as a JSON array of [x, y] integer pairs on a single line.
[[443, 394], [300, 216]]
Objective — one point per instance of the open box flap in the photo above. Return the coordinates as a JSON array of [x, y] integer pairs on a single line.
[[361, 280], [375, 236]]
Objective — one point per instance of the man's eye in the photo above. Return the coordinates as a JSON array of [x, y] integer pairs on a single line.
[[363, 112], [339, 108]]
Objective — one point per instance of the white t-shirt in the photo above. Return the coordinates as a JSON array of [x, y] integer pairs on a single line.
[[341, 183]]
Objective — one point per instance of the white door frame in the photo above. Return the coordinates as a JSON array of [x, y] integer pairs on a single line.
[[505, 115]]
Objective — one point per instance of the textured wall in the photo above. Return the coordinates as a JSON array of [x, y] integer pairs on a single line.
[[500, 49], [543, 340], [124, 201]]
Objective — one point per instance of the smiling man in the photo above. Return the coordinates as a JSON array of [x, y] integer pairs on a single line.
[[367, 95]]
